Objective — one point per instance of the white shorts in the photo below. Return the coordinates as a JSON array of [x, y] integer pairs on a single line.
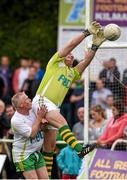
[[49, 104]]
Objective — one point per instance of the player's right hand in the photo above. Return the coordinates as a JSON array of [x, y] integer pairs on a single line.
[[94, 27], [98, 38]]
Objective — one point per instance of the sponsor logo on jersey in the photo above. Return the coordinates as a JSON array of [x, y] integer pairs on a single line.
[[65, 81]]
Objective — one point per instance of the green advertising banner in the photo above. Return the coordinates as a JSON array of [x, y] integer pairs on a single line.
[[72, 12]]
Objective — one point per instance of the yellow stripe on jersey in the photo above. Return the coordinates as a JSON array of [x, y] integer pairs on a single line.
[[22, 155], [21, 166]]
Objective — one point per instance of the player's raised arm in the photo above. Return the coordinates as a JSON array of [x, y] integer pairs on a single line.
[[98, 39], [92, 29]]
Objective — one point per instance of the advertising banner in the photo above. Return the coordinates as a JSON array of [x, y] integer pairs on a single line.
[[72, 12], [106, 164], [109, 165], [110, 11]]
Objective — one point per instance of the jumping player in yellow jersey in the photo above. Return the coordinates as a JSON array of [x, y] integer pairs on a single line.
[[55, 85]]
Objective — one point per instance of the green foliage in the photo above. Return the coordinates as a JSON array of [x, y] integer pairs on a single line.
[[28, 28]]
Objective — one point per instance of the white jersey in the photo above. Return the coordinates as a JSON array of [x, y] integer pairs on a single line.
[[23, 144]]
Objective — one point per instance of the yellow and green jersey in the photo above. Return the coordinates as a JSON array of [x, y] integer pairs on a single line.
[[57, 80]]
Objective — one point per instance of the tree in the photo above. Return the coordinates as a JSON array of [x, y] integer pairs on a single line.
[[28, 28]]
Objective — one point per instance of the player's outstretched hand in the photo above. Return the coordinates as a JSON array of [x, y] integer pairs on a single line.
[[41, 112], [94, 27], [98, 38]]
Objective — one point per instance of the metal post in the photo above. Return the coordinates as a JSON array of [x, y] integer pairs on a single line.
[[86, 81], [86, 91]]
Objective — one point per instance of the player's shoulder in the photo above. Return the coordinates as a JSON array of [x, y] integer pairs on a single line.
[[55, 56], [16, 118]]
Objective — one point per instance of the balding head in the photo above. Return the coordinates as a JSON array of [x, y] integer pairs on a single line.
[[22, 103], [16, 99], [80, 114]]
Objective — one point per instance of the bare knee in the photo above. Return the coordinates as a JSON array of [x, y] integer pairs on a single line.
[[30, 174], [56, 119]]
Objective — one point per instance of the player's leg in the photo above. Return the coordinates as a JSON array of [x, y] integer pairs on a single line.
[[48, 148], [49, 135], [42, 173], [27, 167], [40, 166], [30, 174], [57, 120]]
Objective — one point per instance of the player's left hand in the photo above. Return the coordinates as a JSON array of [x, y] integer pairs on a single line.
[[94, 27]]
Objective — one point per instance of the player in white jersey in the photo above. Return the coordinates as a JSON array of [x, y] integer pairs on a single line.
[[28, 138]]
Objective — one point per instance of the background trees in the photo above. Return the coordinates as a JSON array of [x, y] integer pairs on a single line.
[[28, 28]]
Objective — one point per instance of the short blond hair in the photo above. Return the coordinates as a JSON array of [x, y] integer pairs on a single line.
[[15, 100]]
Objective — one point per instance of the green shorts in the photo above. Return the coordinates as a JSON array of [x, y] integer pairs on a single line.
[[33, 162]]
